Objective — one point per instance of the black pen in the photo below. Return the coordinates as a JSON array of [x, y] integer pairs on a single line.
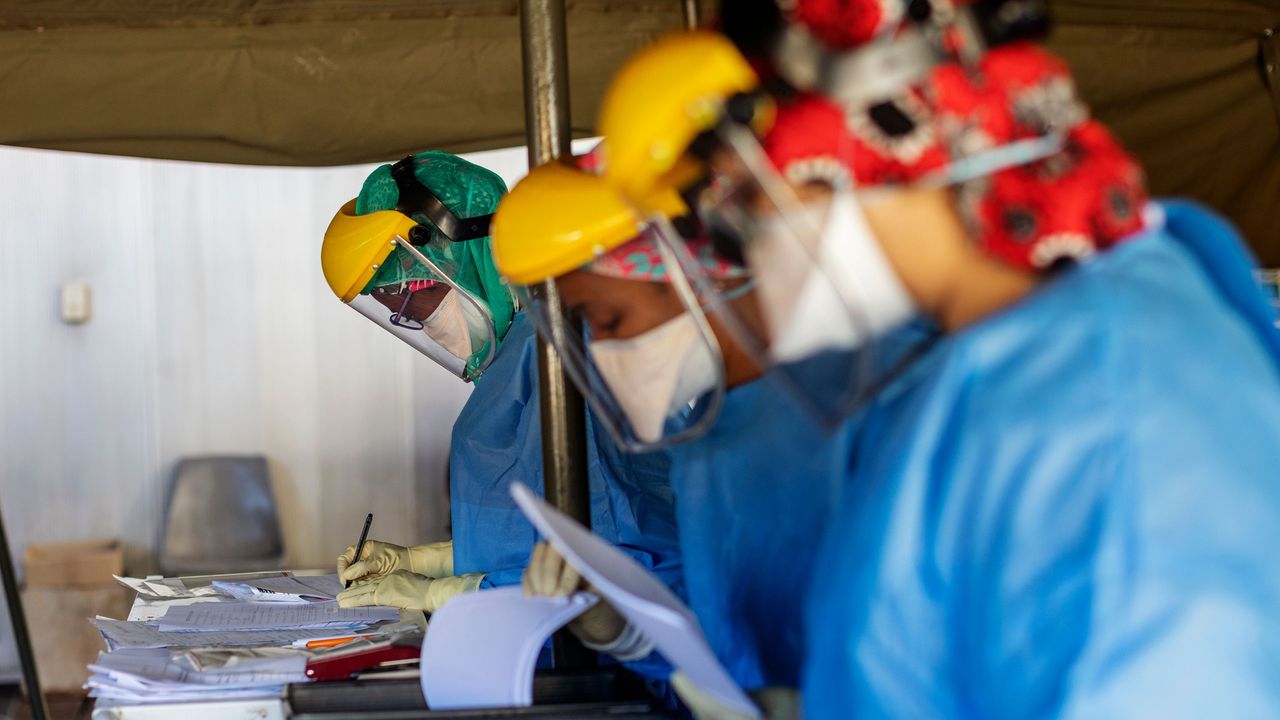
[[364, 535]]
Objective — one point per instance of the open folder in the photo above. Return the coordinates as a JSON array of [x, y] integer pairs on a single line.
[[639, 596]]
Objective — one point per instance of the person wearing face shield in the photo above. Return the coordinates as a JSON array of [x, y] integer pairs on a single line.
[[756, 474], [1064, 507], [664, 364], [412, 253]]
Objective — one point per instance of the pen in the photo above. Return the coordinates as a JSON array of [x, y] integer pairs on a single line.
[[364, 535]]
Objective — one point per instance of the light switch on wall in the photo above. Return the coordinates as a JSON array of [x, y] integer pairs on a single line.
[[76, 305]]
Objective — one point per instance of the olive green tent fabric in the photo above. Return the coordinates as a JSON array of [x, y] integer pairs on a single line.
[[1185, 85], [292, 82]]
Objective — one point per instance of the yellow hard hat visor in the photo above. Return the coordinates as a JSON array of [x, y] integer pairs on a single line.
[[432, 313], [663, 99], [355, 246]]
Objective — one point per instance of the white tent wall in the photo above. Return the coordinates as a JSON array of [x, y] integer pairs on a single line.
[[212, 332]]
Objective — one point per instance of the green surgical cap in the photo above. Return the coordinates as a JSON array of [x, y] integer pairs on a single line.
[[467, 190]]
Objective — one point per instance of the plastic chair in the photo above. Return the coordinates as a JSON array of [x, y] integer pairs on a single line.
[[220, 517]]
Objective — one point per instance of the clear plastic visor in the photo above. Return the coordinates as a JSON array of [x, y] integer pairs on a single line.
[[637, 333], [432, 314], [825, 291]]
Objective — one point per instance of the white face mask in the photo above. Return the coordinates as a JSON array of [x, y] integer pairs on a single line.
[[448, 327], [655, 374], [839, 294]]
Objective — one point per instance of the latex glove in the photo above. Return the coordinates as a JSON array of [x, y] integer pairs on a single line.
[[404, 589], [776, 703], [378, 559], [548, 574]]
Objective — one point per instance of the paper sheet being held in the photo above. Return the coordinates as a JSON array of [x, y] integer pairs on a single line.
[[643, 599], [481, 647]]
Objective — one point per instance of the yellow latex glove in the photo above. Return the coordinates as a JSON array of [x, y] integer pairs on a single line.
[[548, 574], [776, 703], [378, 559], [408, 590]]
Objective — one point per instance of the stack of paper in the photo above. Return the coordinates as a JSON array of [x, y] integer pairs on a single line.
[[129, 634], [157, 676], [235, 624], [224, 617]]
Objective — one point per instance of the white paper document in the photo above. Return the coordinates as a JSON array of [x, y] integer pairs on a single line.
[[125, 634], [144, 609], [164, 588], [271, 616], [150, 676], [640, 596], [481, 648], [296, 589]]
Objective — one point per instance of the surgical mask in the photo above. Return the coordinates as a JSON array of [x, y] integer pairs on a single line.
[[448, 326], [838, 293], [656, 374]]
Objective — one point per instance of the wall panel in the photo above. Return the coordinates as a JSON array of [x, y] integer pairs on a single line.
[[213, 332]]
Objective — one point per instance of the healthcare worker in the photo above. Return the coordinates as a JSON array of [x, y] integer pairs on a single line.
[[412, 253], [1065, 507], [676, 357], [755, 477]]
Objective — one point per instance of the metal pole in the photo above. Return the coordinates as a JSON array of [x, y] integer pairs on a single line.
[[691, 19], [26, 658], [564, 422]]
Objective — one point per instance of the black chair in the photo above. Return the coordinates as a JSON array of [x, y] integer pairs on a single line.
[[220, 517]]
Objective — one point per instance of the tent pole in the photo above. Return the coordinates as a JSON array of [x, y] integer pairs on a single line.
[[21, 638], [691, 19], [564, 423]]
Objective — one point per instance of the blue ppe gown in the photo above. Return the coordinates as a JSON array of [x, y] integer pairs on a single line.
[[497, 440], [1071, 508], [752, 497]]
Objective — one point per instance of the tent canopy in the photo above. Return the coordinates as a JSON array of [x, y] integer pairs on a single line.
[[1191, 86], [292, 82]]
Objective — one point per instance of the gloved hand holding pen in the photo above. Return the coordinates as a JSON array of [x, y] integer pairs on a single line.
[[379, 559]]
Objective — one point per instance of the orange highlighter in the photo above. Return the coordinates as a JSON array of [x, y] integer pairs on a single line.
[[329, 642]]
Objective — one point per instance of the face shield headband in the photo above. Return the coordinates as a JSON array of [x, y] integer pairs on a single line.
[[416, 199]]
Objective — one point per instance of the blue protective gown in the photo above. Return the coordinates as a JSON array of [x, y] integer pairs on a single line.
[[497, 440], [752, 498], [1072, 508]]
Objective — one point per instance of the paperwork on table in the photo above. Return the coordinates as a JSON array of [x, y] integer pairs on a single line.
[[157, 676], [125, 634], [481, 648], [253, 616], [295, 589], [186, 641], [189, 622], [640, 597], [157, 588], [258, 587]]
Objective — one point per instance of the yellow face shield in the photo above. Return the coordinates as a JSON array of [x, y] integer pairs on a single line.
[[426, 308], [627, 317], [662, 101]]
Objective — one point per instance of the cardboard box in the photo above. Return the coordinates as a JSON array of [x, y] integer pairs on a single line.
[[64, 640], [82, 564]]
